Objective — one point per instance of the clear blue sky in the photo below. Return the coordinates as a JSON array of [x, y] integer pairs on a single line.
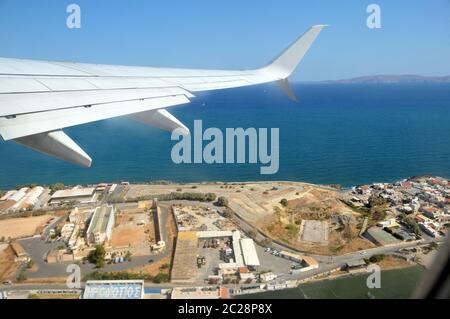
[[414, 39]]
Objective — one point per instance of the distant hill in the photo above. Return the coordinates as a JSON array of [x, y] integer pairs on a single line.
[[394, 79]]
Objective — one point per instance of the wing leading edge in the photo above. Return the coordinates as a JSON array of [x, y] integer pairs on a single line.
[[39, 98]]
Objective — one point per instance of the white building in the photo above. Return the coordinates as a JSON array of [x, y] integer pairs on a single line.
[[101, 225], [249, 254], [7, 195], [17, 196], [268, 276], [66, 231], [238, 258], [30, 199], [76, 194]]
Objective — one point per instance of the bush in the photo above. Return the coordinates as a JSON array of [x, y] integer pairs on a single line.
[[22, 276], [284, 202], [376, 258], [199, 197], [120, 275], [228, 213], [267, 242], [30, 264], [222, 202], [165, 266], [161, 278], [412, 224], [292, 230], [57, 187]]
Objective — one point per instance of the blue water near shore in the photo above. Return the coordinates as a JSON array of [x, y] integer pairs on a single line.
[[340, 134]]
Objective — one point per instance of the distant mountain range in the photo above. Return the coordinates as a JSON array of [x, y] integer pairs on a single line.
[[394, 79]]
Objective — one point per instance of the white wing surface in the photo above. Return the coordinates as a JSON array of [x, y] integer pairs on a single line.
[[40, 98]]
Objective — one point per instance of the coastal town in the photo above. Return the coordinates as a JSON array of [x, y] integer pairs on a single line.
[[218, 240]]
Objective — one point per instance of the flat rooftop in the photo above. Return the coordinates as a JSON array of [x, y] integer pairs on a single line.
[[184, 267], [249, 252], [18, 249], [74, 192], [196, 293], [100, 219]]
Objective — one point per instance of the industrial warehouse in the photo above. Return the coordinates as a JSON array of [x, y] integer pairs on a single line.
[[224, 250]]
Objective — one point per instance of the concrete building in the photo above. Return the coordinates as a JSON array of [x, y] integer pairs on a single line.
[[20, 255], [309, 263], [249, 254], [101, 225], [184, 268], [76, 194], [268, 276], [238, 258], [80, 217], [291, 256], [67, 230], [196, 293]]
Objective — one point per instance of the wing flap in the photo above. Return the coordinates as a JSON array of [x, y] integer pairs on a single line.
[[25, 103], [35, 123]]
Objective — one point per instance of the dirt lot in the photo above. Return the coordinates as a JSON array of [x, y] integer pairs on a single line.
[[390, 262], [7, 265], [129, 236], [22, 227], [298, 223]]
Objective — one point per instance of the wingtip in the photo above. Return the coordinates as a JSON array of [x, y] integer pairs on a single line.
[[320, 26]]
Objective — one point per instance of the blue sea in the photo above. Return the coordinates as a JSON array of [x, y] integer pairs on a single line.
[[344, 134]]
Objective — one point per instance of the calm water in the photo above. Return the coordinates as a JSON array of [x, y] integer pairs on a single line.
[[396, 283], [344, 134]]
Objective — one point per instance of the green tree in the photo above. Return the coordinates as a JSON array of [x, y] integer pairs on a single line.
[[228, 213], [97, 256], [376, 258], [222, 202], [267, 242], [161, 278], [30, 264], [284, 202], [22, 276], [412, 224], [128, 256], [165, 266], [57, 187]]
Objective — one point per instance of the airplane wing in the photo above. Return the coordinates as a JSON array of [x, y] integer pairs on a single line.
[[40, 98]]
